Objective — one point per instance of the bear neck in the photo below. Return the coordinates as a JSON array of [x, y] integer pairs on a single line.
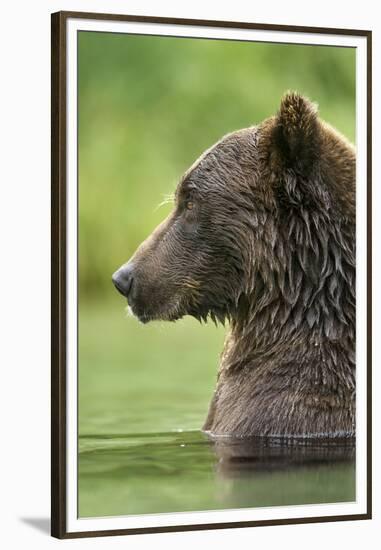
[[302, 293]]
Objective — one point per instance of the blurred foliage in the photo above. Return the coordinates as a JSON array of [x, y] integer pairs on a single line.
[[149, 106], [136, 378]]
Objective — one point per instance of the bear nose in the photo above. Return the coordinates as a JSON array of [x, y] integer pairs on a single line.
[[123, 278]]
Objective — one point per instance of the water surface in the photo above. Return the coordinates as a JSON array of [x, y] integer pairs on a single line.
[[187, 471]]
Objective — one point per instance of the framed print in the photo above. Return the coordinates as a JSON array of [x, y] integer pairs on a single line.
[[211, 268]]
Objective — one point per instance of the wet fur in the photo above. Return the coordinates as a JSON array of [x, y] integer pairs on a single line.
[[270, 247]]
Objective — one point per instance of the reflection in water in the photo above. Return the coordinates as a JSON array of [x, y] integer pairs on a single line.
[[184, 471], [240, 456]]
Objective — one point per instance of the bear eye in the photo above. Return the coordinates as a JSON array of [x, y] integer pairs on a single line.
[[189, 205]]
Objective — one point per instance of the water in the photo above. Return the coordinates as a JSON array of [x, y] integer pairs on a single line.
[[188, 471]]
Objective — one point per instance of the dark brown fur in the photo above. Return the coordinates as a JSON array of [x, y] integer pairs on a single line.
[[263, 234]]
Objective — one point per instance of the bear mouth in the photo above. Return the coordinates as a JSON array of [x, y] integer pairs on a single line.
[[164, 314], [143, 318]]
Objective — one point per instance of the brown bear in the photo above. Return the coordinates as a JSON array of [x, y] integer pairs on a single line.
[[262, 234]]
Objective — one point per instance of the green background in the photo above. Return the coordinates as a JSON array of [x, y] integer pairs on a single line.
[[148, 107]]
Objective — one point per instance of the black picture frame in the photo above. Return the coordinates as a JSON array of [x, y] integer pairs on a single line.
[[59, 266]]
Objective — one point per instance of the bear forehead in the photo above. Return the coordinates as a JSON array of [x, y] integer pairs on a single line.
[[229, 148]]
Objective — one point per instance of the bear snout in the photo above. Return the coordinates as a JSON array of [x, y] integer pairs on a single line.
[[123, 279]]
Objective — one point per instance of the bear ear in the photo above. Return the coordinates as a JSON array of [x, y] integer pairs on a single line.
[[295, 135]]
